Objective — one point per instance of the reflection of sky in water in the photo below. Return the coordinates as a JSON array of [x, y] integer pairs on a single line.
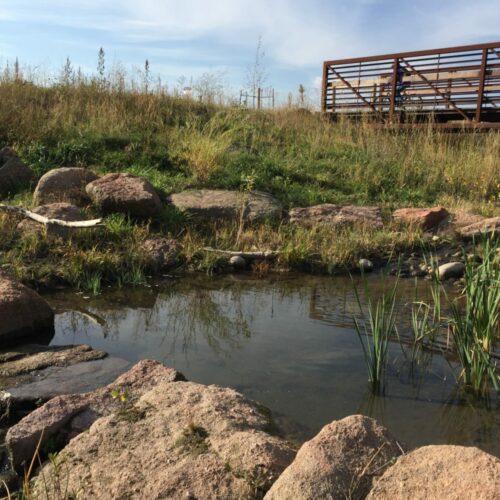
[[288, 344]]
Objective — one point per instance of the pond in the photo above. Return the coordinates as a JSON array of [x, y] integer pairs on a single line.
[[288, 343]]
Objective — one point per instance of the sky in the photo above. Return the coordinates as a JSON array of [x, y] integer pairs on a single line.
[[190, 37]]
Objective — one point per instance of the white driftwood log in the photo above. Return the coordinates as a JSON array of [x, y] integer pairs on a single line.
[[268, 254], [45, 220]]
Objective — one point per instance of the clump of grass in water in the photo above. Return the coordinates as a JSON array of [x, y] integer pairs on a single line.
[[376, 330], [475, 321]]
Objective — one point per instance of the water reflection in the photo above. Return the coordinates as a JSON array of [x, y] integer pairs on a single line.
[[288, 343]]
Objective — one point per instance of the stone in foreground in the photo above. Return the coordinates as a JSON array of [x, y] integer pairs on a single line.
[[425, 218], [441, 472], [339, 462], [14, 173], [486, 227], [222, 205], [61, 211], [163, 252], [451, 270], [336, 216], [176, 440], [23, 312], [124, 193], [65, 184]]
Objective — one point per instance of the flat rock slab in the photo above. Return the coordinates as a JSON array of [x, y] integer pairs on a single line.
[[61, 211], [478, 230], [30, 358], [426, 218], [65, 184], [64, 417], [73, 379], [178, 440], [124, 193], [23, 313], [222, 205], [339, 462], [444, 472], [336, 216]]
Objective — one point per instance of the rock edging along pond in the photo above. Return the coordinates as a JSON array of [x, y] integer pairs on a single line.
[[324, 238], [153, 434]]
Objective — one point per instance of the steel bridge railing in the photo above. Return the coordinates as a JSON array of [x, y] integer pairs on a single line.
[[455, 83]]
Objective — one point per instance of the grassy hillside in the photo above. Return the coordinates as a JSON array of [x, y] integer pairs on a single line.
[[176, 143]]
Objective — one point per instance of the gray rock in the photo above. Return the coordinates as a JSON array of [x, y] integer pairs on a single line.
[[63, 185], [335, 216], [23, 313], [365, 265], [222, 205], [238, 262], [451, 270], [126, 194], [56, 381]]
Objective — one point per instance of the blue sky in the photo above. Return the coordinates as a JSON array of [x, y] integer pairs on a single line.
[[189, 37]]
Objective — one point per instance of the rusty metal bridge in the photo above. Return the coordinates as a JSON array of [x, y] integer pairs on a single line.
[[455, 87]]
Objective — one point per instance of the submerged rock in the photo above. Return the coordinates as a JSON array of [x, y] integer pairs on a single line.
[[169, 439], [61, 211], [451, 270], [426, 218], [23, 313], [124, 193], [335, 216], [233, 205], [451, 472], [339, 462], [65, 184]]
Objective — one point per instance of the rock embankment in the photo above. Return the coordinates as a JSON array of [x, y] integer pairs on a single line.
[[152, 434]]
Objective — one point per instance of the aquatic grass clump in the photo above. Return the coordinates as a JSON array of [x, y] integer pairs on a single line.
[[475, 321], [375, 331]]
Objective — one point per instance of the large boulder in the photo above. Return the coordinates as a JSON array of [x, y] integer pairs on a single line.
[[61, 211], [222, 205], [426, 218], [339, 462], [14, 173], [63, 185], [334, 216], [124, 193], [174, 440], [451, 472], [478, 230], [23, 313], [63, 417]]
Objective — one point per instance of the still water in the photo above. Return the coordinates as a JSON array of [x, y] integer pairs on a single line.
[[289, 343]]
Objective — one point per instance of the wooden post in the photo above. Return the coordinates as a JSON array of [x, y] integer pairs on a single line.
[[482, 78], [324, 84]]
